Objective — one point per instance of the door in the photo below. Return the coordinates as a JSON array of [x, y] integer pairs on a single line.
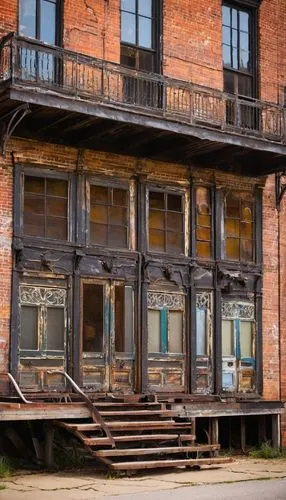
[[43, 337], [107, 336], [166, 342]]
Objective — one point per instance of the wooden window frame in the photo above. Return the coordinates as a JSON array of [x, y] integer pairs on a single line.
[[58, 21]]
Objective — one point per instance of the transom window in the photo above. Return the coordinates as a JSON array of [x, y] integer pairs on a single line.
[[203, 223], [45, 210], [239, 226], [166, 222], [109, 213]]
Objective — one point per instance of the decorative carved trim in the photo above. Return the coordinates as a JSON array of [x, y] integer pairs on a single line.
[[203, 300], [158, 300], [38, 295], [238, 310]]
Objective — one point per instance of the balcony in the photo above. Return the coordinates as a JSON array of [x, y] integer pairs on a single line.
[[90, 103]]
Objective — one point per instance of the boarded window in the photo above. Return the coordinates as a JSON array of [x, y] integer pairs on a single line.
[[203, 223], [93, 318], [45, 207], [29, 328], [166, 222], [109, 216], [124, 318], [239, 226]]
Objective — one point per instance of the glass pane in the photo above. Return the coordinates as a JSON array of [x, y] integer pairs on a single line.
[[201, 347], [244, 41], [156, 200], [234, 59], [34, 225], [29, 328], [204, 220], [99, 214], [146, 63], [93, 318], [34, 204], [234, 38], [246, 213], [127, 58], [226, 15], [226, 35], [34, 184], [119, 319], [129, 319], [203, 234], [203, 201], [203, 249], [175, 221], [156, 240], [145, 8], [246, 339], [55, 329], [27, 18], [98, 194], [232, 206], [175, 333], [57, 206], [154, 344], [244, 60], [156, 219], [98, 234], [57, 187], [247, 250], [232, 227], [117, 216], [234, 16], [128, 29], [174, 203], [175, 242], [244, 21], [228, 79], [117, 237], [232, 249], [145, 32], [129, 5], [246, 230], [227, 380], [56, 228], [227, 338], [226, 56], [48, 22], [120, 197]]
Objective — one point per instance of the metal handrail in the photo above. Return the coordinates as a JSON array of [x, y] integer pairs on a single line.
[[18, 390]]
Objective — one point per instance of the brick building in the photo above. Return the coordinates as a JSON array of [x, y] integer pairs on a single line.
[[142, 211]]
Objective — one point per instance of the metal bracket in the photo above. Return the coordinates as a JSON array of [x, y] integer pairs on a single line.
[[280, 187], [8, 127]]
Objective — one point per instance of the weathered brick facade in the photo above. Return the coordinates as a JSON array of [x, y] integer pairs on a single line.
[[191, 51]]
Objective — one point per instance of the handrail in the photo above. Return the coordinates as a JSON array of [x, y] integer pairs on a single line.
[[18, 390], [97, 418]]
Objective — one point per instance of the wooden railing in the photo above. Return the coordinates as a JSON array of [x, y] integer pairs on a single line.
[[33, 64]]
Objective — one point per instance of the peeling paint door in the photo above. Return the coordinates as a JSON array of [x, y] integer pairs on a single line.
[[166, 342], [107, 336]]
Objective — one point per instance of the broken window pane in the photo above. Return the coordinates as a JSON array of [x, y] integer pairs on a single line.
[[227, 338], [246, 339], [55, 328], [201, 343], [29, 328], [175, 332], [154, 326], [93, 318]]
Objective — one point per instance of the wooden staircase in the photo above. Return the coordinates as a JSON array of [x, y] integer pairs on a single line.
[[141, 435]]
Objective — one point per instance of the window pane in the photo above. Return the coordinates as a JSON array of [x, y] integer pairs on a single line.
[[56, 228], [98, 234], [246, 350], [120, 197], [226, 15], [156, 240], [175, 242], [29, 328], [99, 214], [56, 187], [117, 237], [34, 204], [203, 200], [127, 58], [226, 35], [128, 5], [232, 249], [227, 338], [117, 216], [55, 329], [226, 56], [128, 30], [93, 318], [203, 249], [204, 220], [244, 41], [27, 18], [146, 63], [234, 59], [145, 7], [247, 250], [246, 230], [227, 380], [56, 207], [232, 206], [156, 200], [234, 38], [174, 221], [48, 22], [129, 319], [156, 219], [119, 319], [154, 344], [203, 234], [145, 32], [34, 225], [234, 16], [98, 194], [174, 203], [232, 227], [244, 21], [201, 347], [244, 60], [175, 333], [34, 184]]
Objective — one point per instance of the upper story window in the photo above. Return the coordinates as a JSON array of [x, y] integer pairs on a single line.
[[166, 222], [238, 50], [239, 226], [38, 19], [45, 207], [109, 216], [140, 34], [203, 223]]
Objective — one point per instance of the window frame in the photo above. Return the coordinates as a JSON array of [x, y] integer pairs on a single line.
[[58, 22], [177, 191]]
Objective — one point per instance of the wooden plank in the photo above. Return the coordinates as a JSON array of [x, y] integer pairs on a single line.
[[135, 413], [152, 451], [140, 437], [154, 464]]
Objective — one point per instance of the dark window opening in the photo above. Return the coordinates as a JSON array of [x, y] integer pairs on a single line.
[[239, 227], [123, 319], [203, 223], [166, 222], [45, 207], [109, 216], [29, 328], [93, 318]]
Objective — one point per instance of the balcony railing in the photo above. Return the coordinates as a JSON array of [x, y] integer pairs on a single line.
[[32, 64]]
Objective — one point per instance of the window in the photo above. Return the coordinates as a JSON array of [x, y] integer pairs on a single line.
[[238, 346], [109, 216], [166, 222], [204, 361], [203, 223], [45, 207], [239, 226]]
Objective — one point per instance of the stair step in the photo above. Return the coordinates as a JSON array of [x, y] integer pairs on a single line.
[[147, 437], [135, 413], [154, 464], [163, 424], [152, 451]]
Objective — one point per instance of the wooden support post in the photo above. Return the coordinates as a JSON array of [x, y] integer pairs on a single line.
[[242, 434], [275, 432], [49, 441]]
